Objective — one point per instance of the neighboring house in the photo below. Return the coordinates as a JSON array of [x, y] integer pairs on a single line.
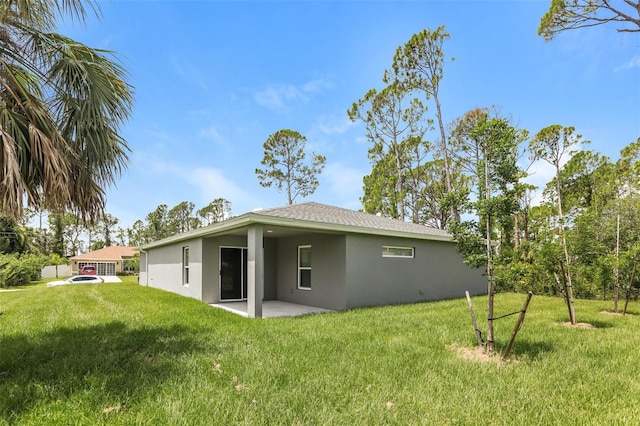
[[310, 254], [107, 260]]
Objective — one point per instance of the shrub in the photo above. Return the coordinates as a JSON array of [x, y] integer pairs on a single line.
[[18, 270], [12, 272]]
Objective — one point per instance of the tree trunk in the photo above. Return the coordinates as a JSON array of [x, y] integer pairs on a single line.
[[616, 269], [399, 184], [633, 274], [445, 154], [490, 283], [516, 231], [490, 290], [568, 286]]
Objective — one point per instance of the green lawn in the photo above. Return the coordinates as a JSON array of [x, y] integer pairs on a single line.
[[125, 354]]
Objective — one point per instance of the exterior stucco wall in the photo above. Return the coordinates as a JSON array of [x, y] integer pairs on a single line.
[[327, 271], [164, 268], [436, 272]]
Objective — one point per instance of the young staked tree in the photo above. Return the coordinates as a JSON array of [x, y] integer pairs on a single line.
[[61, 108], [497, 176], [499, 144], [285, 166], [551, 144], [566, 15]]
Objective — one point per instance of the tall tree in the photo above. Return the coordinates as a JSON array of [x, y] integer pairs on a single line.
[[566, 15], [466, 146], [138, 233], [179, 217], [121, 235], [285, 167], [551, 144], [61, 107], [92, 231], [420, 66], [380, 190], [392, 119], [107, 225], [158, 224], [73, 229], [12, 236], [216, 211], [56, 224]]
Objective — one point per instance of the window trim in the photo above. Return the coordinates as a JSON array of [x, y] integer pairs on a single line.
[[401, 256], [185, 265], [303, 268]]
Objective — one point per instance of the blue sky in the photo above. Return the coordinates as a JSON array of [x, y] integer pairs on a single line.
[[213, 79]]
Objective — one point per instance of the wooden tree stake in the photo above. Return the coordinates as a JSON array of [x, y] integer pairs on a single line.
[[518, 325], [473, 320], [633, 274]]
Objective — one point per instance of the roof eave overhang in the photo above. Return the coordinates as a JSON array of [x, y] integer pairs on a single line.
[[258, 219]]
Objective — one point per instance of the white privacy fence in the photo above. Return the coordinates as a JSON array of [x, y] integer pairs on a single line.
[[56, 271]]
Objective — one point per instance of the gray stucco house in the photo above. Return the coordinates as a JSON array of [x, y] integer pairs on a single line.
[[310, 254]]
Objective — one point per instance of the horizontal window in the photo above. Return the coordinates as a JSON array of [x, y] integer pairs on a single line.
[[396, 251]]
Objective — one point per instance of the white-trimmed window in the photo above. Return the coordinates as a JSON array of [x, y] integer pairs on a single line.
[[185, 265], [398, 251], [304, 267]]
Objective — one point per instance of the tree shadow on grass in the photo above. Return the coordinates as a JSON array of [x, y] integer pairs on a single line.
[[110, 360], [584, 323], [530, 349]]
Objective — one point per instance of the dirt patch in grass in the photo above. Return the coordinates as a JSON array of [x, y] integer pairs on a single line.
[[616, 313], [584, 325], [476, 353]]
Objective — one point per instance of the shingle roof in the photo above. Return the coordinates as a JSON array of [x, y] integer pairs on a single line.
[[108, 253], [322, 213], [313, 216]]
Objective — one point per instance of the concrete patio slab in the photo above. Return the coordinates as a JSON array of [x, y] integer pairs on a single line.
[[271, 309]]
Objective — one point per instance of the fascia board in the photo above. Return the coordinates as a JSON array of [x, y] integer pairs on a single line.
[[336, 227], [258, 219]]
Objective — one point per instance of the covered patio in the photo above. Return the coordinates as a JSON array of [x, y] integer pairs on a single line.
[[271, 309]]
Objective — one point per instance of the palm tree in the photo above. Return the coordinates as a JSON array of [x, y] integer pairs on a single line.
[[61, 107]]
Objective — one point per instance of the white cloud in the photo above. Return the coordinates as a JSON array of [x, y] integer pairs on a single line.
[[190, 73], [209, 183], [540, 173], [362, 140], [344, 181], [317, 85], [213, 184], [280, 97], [633, 63], [334, 124], [212, 133]]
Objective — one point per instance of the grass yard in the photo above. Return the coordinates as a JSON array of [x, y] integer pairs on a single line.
[[125, 354]]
